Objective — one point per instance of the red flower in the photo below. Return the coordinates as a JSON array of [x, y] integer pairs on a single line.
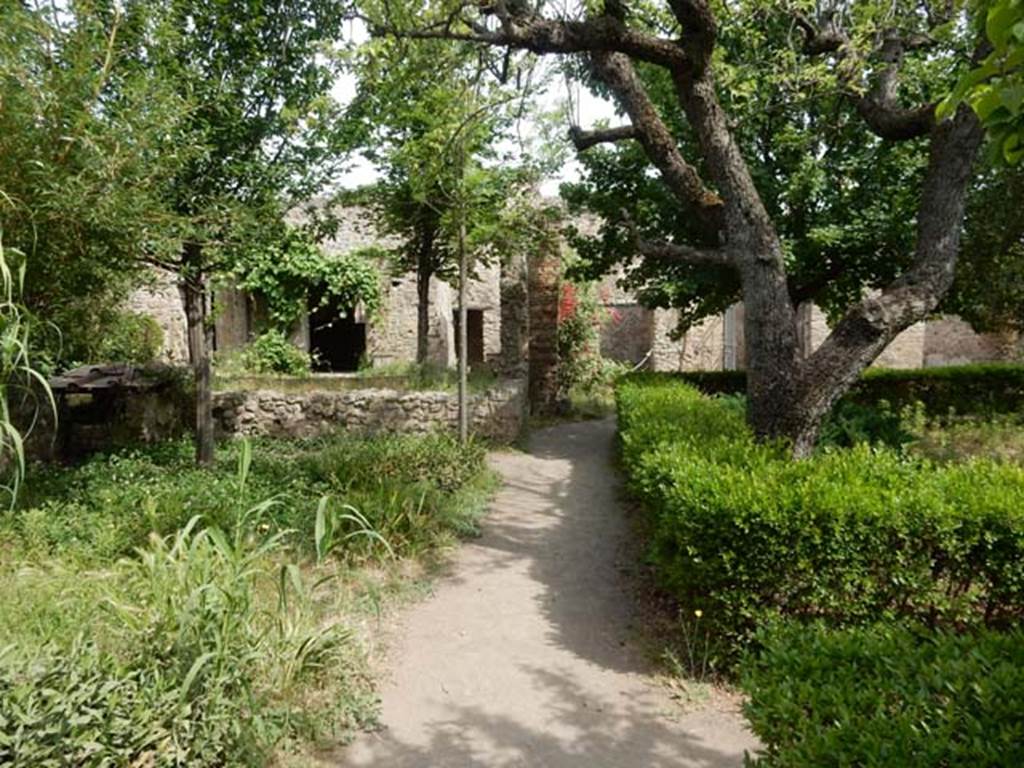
[[568, 304]]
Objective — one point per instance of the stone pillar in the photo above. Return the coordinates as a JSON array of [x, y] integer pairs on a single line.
[[545, 280], [515, 320]]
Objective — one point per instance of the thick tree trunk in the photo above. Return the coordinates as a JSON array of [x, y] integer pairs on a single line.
[[193, 292], [773, 354]]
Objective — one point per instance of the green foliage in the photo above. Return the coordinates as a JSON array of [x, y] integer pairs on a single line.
[[430, 119], [579, 338], [887, 697], [852, 424], [419, 486], [131, 338], [88, 144], [983, 389], [273, 352], [989, 288], [803, 141], [193, 669], [995, 88], [155, 613], [20, 381], [296, 275], [747, 535]]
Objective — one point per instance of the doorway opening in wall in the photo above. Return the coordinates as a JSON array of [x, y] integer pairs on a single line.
[[337, 339], [474, 335]]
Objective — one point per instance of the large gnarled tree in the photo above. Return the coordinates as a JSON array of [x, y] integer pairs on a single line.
[[713, 186]]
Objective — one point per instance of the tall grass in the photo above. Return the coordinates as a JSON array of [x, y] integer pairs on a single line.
[[154, 614], [18, 375]]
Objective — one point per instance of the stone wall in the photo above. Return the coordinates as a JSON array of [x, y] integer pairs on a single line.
[[161, 300], [950, 341], [514, 329], [626, 333], [498, 414], [945, 340]]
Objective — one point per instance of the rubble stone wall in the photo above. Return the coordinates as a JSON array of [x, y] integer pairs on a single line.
[[497, 414]]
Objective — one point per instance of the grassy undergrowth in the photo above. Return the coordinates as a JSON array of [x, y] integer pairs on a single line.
[[153, 613]]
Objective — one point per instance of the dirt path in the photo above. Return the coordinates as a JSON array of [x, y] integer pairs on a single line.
[[523, 656]]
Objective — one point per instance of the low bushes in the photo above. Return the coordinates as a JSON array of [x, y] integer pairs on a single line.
[[872, 598], [887, 697], [969, 390], [746, 535]]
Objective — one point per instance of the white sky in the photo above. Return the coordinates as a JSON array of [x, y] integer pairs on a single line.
[[588, 108]]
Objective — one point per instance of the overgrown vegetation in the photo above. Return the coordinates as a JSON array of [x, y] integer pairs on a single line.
[[157, 613], [867, 588]]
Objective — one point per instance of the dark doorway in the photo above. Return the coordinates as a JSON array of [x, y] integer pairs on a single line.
[[336, 340], [474, 335]]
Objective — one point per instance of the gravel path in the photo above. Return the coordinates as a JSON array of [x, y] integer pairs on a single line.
[[523, 656]]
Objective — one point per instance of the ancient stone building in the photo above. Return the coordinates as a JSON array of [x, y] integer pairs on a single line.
[[635, 334], [512, 312], [345, 338]]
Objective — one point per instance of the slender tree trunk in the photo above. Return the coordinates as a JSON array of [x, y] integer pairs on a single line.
[[424, 271], [193, 291], [422, 315], [463, 336]]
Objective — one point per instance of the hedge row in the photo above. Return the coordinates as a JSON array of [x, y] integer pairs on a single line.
[[887, 697], [747, 536], [981, 390]]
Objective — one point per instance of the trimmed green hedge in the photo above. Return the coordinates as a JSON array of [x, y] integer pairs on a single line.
[[885, 697], [981, 390], [746, 535]]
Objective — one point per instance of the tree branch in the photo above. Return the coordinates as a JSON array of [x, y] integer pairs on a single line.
[[542, 35], [616, 71], [880, 108], [869, 326], [699, 31], [660, 250], [584, 140]]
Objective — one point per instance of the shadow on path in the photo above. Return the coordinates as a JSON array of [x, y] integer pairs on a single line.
[[522, 657]]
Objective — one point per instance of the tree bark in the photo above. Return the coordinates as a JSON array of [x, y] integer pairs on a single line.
[[424, 271], [194, 295], [422, 316]]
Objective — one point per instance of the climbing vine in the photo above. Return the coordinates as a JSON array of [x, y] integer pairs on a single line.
[[289, 274]]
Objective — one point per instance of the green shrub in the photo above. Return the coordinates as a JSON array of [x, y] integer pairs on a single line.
[[130, 338], [975, 390], [747, 535], [887, 697], [851, 423], [273, 352]]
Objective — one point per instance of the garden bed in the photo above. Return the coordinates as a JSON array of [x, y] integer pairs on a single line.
[[765, 549]]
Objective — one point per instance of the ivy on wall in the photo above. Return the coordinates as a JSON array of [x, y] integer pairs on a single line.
[[290, 274]]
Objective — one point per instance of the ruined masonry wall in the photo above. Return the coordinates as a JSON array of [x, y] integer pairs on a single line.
[[161, 300], [498, 414]]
